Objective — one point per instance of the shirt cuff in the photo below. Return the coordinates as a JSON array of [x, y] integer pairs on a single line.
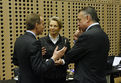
[[53, 59], [63, 61], [74, 41], [47, 60]]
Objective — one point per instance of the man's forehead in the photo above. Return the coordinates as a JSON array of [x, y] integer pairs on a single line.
[[78, 16], [80, 13]]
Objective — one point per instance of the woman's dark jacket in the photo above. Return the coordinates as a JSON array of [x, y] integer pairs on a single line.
[[60, 70]]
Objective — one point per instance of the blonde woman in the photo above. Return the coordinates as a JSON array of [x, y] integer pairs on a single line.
[[49, 43]]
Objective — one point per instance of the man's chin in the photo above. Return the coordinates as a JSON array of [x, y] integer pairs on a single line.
[[40, 33]]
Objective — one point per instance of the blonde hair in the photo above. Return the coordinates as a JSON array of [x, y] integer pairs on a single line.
[[56, 19]]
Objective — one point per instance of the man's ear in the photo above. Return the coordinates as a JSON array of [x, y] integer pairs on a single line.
[[36, 25], [88, 18]]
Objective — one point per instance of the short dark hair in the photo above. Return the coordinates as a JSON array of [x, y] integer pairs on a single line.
[[56, 19], [90, 11], [31, 20]]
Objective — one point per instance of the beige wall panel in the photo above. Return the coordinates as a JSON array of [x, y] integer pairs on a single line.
[[12, 36], [104, 17], [6, 36], [2, 39], [117, 80], [40, 8], [113, 28], [120, 25], [70, 21], [65, 19], [71, 66]]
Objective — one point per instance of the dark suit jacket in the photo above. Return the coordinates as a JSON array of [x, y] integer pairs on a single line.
[[90, 54], [28, 56]]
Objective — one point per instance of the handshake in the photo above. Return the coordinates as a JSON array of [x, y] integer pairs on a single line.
[[56, 55]]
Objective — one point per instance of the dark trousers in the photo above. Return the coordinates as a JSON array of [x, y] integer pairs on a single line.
[[56, 80]]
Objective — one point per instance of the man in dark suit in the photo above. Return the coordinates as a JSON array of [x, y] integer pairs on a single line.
[[27, 52], [90, 51]]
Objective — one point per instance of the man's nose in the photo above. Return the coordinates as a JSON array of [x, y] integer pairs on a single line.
[[44, 27], [78, 24]]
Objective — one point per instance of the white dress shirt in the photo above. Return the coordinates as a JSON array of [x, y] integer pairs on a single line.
[[92, 25]]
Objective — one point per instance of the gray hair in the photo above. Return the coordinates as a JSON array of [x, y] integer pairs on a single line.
[[91, 12]]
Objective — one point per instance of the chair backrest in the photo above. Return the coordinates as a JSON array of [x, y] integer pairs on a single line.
[[110, 60], [16, 71]]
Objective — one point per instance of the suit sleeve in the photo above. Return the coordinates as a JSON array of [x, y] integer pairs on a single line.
[[68, 46], [78, 50], [37, 63], [15, 60]]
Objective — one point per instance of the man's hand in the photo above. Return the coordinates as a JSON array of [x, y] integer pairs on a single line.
[[76, 34], [43, 51], [59, 62], [58, 54]]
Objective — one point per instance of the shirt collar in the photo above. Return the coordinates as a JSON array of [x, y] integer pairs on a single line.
[[52, 39], [92, 25], [31, 32]]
